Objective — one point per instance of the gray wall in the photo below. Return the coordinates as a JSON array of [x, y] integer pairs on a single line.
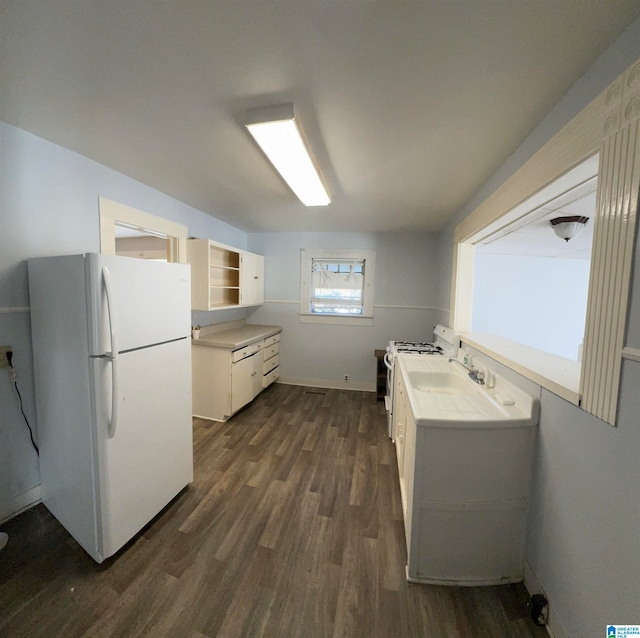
[[585, 519], [406, 279], [49, 206]]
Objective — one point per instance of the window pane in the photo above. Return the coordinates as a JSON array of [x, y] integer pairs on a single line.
[[337, 286]]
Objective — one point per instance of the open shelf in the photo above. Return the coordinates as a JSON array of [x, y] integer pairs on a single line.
[[223, 277]]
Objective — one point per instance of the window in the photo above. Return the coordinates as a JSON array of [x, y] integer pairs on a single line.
[[336, 286], [120, 225], [529, 285]]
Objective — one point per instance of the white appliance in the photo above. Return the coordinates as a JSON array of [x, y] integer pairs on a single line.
[[446, 343], [112, 365]]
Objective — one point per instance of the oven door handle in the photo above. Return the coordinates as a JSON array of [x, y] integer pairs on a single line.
[[388, 360]]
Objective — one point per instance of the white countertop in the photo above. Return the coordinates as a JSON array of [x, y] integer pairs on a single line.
[[502, 405], [236, 337]]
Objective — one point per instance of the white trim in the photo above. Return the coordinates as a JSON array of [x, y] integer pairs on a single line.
[[328, 383], [10, 310], [611, 264], [113, 212], [401, 307], [382, 306], [19, 503], [633, 354]]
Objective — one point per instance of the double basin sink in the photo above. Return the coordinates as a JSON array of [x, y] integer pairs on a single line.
[[441, 392]]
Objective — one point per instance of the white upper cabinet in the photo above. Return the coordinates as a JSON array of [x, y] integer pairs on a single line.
[[224, 277]]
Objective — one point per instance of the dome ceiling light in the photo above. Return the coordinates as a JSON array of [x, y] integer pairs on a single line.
[[568, 227]]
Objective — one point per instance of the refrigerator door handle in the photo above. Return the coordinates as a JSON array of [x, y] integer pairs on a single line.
[[113, 355]]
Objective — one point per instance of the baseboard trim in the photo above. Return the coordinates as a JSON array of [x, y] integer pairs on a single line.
[[326, 383], [533, 585], [20, 503]]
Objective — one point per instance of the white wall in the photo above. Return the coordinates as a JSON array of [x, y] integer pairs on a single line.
[[407, 273], [49, 205], [538, 301], [585, 517]]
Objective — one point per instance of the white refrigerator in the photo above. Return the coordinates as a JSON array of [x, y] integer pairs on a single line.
[[112, 370]]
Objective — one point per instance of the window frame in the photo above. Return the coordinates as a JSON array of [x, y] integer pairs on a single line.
[[307, 256], [113, 214]]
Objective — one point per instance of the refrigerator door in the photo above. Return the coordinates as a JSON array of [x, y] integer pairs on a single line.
[[150, 302], [149, 459]]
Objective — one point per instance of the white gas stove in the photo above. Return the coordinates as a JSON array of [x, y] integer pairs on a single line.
[[445, 343]]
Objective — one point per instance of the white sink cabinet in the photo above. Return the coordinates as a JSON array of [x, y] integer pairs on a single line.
[[464, 484]]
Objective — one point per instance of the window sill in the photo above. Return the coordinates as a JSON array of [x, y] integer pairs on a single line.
[[336, 320], [556, 374]]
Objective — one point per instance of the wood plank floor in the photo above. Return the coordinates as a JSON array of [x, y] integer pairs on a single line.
[[292, 527]]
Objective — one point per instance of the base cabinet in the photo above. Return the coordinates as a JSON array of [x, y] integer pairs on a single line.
[[225, 380], [271, 360], [464, 499], [246, 381]]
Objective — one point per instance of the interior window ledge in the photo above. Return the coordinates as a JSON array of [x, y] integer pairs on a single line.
[[556, 374]]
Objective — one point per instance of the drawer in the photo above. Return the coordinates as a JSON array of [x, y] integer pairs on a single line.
[[247, 351], [268, 379], [271, 351], [269, 341], [270, 364]]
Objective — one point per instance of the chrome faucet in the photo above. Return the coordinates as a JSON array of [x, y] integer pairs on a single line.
[[474, 374]]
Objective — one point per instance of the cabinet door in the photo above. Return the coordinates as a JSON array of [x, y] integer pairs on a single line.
[[252, 279], [246, 380], [257, 373]]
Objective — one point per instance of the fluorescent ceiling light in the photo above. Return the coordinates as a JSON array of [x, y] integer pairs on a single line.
[[278, 135]]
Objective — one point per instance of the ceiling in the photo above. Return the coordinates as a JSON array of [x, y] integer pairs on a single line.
[[408, 106]]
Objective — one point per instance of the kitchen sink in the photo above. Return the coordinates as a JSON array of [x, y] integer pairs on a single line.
[[442, 382], [441, 394]]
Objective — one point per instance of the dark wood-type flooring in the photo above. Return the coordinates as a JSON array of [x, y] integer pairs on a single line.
[[292, 527]]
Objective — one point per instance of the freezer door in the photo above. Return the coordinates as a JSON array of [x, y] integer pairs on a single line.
[[150, 302], [150, 457]]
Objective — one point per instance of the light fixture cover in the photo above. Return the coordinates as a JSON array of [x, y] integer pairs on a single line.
[[568, 227], [279, 136]]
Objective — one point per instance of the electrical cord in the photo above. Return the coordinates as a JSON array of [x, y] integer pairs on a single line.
[[24, 416]]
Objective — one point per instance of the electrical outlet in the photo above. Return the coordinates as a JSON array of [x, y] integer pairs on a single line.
[[4, 362], [346, 377]]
